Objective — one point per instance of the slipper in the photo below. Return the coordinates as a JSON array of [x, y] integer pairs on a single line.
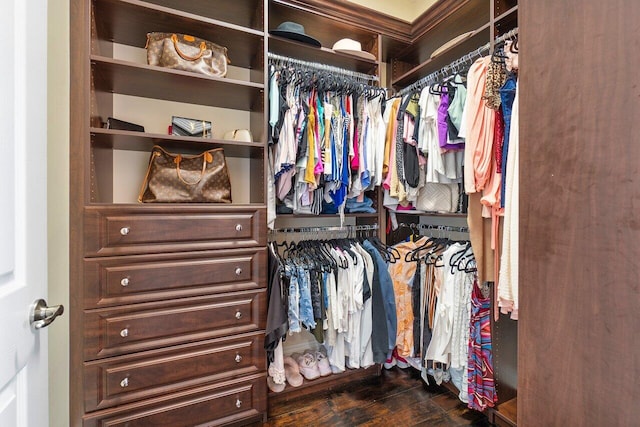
[[323, 364], [307, 364], [276, 388], [292, 372]]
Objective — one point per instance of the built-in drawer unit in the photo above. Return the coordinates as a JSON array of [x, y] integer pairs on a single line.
[[141, 278], [123, 379], [237, 401], [118, 230], [130, 328]]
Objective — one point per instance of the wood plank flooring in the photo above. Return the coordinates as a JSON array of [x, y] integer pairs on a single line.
[[396, 398]]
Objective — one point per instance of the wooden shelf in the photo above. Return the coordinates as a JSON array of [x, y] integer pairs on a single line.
[[129, 21], [507, 412], [140, 141], [347, 215], [128, 78], [319, 26], [246, 13], [479, 38], [322, 55], [506, 14], [323, 384]]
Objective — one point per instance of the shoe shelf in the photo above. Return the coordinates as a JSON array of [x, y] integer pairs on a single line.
[[323, 384]]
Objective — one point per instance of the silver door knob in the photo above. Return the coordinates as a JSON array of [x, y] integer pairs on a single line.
[[124, 383], [238, 271], [125, 230], [124, 333], [238, 358], [41, 315], [238, 227], [124, 282], [238, 315], [238, 403]]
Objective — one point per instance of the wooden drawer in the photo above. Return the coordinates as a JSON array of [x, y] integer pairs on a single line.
[[234, 402], [143, 375], [139, 278], [126, 329], [114, 230]]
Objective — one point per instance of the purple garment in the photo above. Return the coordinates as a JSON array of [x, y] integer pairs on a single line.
[[443, 126]]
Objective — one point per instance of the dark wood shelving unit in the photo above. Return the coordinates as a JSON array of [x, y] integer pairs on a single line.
[[129, 78], [139, 141], [128, 21], [323, 55], [478, 39]]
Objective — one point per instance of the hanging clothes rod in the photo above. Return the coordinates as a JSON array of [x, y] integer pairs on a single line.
[[457, 65], [435, 227], [321, 67], [348, 228]]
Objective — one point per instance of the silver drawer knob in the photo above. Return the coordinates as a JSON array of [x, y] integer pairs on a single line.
[[125, 230], [238, 271], [238, 315], [238, 403], [125, 282], [238, 227], [124, 333], [238, 358], [124, 383]]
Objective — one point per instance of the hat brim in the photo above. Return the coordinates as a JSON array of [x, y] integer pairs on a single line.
[[359, 53], [297, 37]]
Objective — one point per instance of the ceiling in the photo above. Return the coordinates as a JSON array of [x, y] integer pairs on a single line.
[[407, 10]]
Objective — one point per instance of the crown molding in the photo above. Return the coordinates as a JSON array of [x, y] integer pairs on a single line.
[[389, 26], [356, 15]]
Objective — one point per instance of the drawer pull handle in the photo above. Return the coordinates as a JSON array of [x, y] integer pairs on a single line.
[[124, 333], [238, 271], [124, 383], [124, 282], [238, 403], [125, 230], [238, 315], [238, 358], [238, 227]]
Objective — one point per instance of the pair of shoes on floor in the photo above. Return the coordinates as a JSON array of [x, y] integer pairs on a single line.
[[312, 364], [394, 359]]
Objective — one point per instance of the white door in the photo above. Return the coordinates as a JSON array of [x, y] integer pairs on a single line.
[[23, 214]]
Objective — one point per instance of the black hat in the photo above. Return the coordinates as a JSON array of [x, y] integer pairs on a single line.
[[294, 31]]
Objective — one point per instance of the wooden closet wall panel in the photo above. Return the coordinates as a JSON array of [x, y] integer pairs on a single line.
[[579, 200]]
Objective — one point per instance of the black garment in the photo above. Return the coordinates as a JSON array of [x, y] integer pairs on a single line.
[[415, 303], [277, 320], [411, 165], [380, 332]]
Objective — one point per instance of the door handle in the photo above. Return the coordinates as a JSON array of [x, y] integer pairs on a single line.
[[41, 315]]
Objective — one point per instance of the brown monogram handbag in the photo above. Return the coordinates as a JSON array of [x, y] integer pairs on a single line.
[[177, 178], [187, 53]]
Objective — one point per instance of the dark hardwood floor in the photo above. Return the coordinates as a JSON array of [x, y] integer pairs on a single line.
[[397, 398]]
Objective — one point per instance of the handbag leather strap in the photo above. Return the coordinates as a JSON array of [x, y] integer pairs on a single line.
[[203, 47], [205, 158]]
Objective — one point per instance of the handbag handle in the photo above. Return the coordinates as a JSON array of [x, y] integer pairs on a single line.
[[206, 158], [203, 47]]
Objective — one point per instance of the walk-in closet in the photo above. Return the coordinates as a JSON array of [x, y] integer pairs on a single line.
[[274, 199]]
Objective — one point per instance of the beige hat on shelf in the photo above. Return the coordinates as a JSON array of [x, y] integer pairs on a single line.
[[242, 135], [448, 45], [352, 47]]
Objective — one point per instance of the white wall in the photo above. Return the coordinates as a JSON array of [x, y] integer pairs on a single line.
[[58, 207]]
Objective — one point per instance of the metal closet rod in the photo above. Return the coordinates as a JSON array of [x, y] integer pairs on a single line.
[[456, 65], [435, 227], [325, 229], [322, 67]]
